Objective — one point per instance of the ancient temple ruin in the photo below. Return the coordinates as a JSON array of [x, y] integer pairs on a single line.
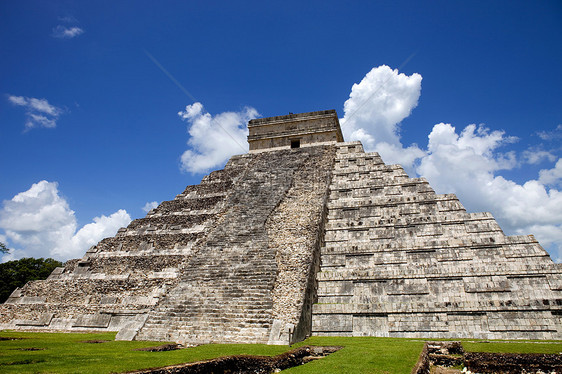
[[304, 235]]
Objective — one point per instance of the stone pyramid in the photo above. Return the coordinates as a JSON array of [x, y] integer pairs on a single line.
[[304, 235]]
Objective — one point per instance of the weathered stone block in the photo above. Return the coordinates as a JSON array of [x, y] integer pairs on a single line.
[[92, 320]]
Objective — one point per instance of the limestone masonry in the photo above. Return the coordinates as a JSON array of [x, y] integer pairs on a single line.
[[304, 235]]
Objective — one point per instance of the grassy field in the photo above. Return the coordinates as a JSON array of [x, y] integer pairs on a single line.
[[68, 353], [71, 353], [364, 355], [513, 346]]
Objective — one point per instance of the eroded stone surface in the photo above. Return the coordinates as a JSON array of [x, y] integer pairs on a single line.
[[400, 260]]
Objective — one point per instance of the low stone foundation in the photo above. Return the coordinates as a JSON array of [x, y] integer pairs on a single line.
[[437, 357], [512, 363]]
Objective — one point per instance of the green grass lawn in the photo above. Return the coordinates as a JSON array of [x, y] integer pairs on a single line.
[[364, 355], [67, 353], [496, 346]]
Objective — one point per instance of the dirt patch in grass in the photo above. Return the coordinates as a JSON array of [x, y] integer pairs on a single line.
[[3, 338], [21, 362], [31, 349], [160, 348], [94, 341], [247, 364]]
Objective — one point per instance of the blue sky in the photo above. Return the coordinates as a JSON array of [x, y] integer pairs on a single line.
[[87, 107]]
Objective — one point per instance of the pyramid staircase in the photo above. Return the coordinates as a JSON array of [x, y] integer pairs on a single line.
[[228, 293]]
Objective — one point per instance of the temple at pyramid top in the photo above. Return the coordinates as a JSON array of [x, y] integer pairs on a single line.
[[294, 130]]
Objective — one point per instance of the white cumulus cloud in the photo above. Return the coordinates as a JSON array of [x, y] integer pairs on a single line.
[[555, 134], [38, 111], [374, 110], [102, 227], [552, 176], [66, 32], [536, 156], [214, 139], [39, 223], [37, 119]]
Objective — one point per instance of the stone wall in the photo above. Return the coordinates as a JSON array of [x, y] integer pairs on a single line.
[[296, 232], [400, 260], [307, 129]]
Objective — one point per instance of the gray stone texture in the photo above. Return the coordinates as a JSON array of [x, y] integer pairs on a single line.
[[400, 260], [306, 129], [282, 243]]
